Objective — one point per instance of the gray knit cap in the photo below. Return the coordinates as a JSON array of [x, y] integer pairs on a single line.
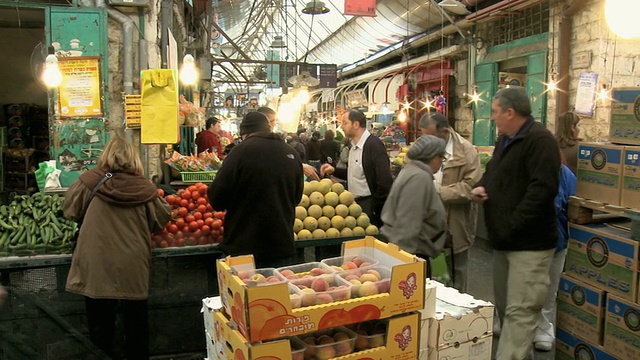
[[426, 148]]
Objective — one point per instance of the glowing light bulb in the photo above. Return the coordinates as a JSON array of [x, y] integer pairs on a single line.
[[552, 86], [402, 117], [385, 107], [475, 97], [373, 107], [188, 73], [407, 105], [603, 94], [303, 96], [51, 76], [621, 16]]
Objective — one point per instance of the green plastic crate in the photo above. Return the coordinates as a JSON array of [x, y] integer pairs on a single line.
[[198, 176]]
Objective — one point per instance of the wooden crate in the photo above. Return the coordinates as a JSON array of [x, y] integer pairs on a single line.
[[18, 163]]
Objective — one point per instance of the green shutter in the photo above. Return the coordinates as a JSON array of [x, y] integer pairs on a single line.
[[536, 88], [484, 131]]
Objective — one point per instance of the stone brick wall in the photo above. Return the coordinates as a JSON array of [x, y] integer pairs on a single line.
[[614, 59], [462, 112]]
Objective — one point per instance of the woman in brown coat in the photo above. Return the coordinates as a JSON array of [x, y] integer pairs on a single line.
[[111, 263], [567, 136]]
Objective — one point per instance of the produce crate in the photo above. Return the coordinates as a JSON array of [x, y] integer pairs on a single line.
[[198, 176], [18, 163]]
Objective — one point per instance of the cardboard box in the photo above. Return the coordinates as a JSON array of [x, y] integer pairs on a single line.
[[208, 306], [630, 196], [459, 318], [604, 257], [622, 328], [570, 347], [211, 348], [477, 349], [581, 309], [429, 310], [266, 312], [401, 342], [600, 172], [624, 125]]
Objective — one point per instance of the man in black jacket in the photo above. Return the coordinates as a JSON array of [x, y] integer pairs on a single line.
[[259, 184], [517, 190], [368, 173]]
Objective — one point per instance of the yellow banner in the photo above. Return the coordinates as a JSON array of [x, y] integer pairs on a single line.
[[159, 122], [79, 93]]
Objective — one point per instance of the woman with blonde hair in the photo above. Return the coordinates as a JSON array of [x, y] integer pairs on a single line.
[[567, 136], [111, 263]]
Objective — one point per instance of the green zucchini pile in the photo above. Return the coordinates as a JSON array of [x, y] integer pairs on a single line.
[[32, 225]]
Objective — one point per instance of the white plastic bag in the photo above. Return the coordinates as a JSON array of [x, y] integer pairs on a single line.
[[53, 180]]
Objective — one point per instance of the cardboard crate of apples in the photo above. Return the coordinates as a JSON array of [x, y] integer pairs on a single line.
[[320, 296], [393, 338], [193, 220], [327, 210]]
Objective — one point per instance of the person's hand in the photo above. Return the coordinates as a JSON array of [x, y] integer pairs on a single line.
[[3, 296], [479, 195], [326, 169], [310, 172]]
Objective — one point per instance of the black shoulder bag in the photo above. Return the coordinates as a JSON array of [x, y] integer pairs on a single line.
[[74, 239]]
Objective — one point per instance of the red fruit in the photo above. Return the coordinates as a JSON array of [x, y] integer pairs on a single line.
[[182, 212], [208, 220], [203, 190], [195, 195], [184, 203], [189, 218], [209, 207], [186, 195], [173, 228], [197, 215], [160, 192], [193, 226], [164, 244], [180, 242], [200, 223], [216, 225], [207, 215], [170, 199], [180, 223], [185, 229], [205, 228], [192, 188], [201, 201], [191, 206], [202, 209], [218, 214], [202, 240]]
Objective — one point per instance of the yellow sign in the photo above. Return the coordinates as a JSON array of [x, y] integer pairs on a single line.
[[79, 93], [133, 111]]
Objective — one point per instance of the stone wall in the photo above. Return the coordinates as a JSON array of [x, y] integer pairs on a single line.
[[462, 112], [612, 58]]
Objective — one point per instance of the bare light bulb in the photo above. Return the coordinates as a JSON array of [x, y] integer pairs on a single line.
[[552, 86], [402, 117], [51, 76], [188, 73], [475, 97], [406, 105], [303, 96], [621, 16], [603, 94]]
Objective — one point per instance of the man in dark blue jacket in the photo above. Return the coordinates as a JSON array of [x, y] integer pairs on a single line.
[[518, 191]]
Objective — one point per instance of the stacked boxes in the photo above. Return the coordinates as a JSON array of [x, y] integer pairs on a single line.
[[622, 328], [460, 328], [624, 125], [630, 196], [600, 172], [581, 309], [272, 318]]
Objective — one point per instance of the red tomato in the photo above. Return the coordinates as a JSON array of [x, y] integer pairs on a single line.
[[215, 233], [207, 215], [170, 199], [160, 192], [201, 201], [180, 223], [203, 240], [182, 212], [186, 195], [173, 228], [200, 223], [164, 244], [180, 242], [189, 218], [193, 226], [209, 207], [184, 202], [218, 214], [202, 209], [185, 229], [220, 238], [203, 189], [222, 231], [195, 195], [197, 215], [208, 220], [191, 206], [153, 245], [216, 225], [205, 228]]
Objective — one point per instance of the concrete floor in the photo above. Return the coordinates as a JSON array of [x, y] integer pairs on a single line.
[[481, 284]]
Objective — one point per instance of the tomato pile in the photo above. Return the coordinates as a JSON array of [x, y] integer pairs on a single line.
[[193, 220]]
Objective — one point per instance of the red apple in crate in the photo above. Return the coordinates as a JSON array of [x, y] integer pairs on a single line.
[[343, 343], [383, 285], [362, 342], [308, 297], [368, 288], [358, 261], [349, 265], [323, 299], [286, 273], [273, 278], [319, 285], [340, 293], [317, 271]]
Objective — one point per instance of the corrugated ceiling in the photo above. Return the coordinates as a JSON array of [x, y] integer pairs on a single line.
[[331, 38]]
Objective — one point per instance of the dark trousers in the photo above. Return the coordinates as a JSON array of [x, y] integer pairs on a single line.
[[101, 318]]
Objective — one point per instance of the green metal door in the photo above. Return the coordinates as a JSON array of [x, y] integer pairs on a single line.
[[536, 88], [484, 130]]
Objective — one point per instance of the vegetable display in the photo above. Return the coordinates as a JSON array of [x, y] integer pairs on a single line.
[[32, 225]]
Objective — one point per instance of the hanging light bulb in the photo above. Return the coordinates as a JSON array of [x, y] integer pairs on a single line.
[[603, 94], [427, 104], [385, 107], [188, 73], [621, 16], [51, 76], [402, 117], [475, 97], [552, 85], [303, 96], [406, 105], [373, 107]]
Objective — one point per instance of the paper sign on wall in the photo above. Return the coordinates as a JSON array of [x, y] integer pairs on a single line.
[[79, 92], [586, 94], [360, 7]]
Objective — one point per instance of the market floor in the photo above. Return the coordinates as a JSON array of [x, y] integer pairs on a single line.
[[481, 284]]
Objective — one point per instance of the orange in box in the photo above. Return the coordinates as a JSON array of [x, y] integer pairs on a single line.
[[402, 337], [266, 312]]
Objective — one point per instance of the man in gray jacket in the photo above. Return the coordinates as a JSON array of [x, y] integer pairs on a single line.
[[414, 217]]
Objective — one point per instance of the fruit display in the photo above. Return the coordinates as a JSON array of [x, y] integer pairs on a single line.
[[205, 161], [328, 344], [259, 277], [35, 224], [193, 220], [344, 263], [298, 347], [369, 334], [327, 210], [401, 158], [367, 281]]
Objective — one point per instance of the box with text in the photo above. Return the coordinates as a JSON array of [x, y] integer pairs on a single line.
[[581, 309], [622, 328], [599, 172]]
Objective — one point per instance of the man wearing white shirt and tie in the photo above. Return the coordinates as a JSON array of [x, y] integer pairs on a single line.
[[460, 172], [368, 173]]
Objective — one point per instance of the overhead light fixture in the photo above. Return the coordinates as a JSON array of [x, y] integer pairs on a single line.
[[603, 94], [621, 16], [278, 42], [188, 73], [402, 117], [454, 7], [315, 8], [552, 85], [385, 109], [51, 76]]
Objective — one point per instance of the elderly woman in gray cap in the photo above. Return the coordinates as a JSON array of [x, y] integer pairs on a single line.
[[413, 216]]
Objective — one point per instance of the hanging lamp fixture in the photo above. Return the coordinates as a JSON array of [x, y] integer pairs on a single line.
[[188, 73], [315, 8], [278, 42], [52, 77]]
